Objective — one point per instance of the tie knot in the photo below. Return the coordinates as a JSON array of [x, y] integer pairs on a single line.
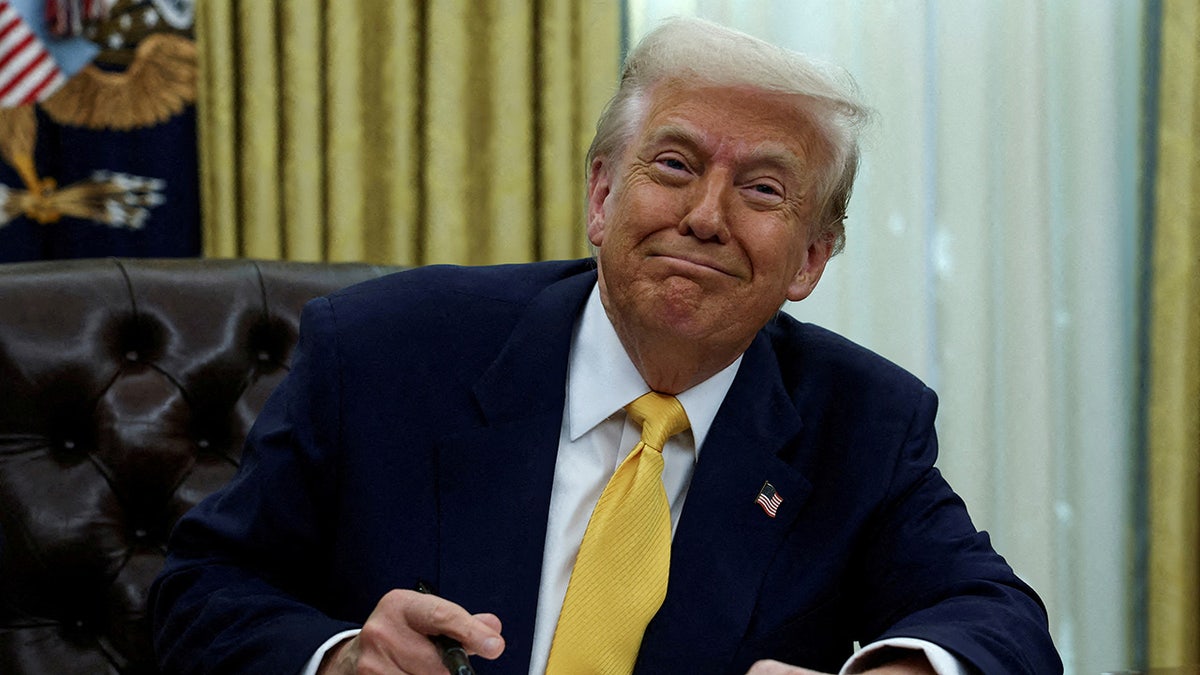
[[660, 416]]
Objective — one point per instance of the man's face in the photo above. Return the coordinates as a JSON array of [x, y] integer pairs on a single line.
[[704, 226]]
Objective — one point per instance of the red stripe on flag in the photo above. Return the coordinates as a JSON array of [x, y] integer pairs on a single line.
[[21, 75], [16, 50], [14, 23], [36, 93]]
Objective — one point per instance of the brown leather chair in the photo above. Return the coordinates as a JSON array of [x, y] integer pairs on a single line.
[[126, 389]]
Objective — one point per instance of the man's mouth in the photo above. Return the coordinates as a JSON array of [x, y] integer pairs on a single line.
[[693, 263]]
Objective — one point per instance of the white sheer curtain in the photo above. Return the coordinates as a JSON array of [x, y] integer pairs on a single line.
[[992, 250]]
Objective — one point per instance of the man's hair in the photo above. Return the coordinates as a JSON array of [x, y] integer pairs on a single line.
[[702, 53]]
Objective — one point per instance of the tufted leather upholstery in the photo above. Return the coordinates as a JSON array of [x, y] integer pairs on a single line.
[[126, 388]]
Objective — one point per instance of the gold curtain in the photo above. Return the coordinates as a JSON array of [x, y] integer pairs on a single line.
[[400, 131], [1174, 405]]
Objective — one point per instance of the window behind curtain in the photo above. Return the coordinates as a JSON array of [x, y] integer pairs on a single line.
[[992, 249]]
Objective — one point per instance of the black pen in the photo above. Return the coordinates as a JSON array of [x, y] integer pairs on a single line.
[[454, 657]]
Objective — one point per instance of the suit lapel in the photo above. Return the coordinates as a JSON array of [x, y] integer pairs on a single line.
[[494, 481], [725, 541]]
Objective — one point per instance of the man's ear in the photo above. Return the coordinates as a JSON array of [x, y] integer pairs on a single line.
[[599, 188], [817, 255]]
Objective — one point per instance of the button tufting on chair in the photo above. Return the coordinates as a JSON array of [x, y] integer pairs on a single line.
[[126, 389]]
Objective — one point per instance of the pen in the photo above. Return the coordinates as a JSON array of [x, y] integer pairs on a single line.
[[454, 657]]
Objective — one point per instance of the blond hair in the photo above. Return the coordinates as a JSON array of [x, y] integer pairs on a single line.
[[703, 53]]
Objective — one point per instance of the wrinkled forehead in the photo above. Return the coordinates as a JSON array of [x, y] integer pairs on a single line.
[[748, 151], [764, 126]]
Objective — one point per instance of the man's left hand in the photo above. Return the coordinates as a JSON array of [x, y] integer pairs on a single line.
[[916, 664]]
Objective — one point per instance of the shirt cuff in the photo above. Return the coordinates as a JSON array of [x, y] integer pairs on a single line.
[[943, 662], [315, 661]]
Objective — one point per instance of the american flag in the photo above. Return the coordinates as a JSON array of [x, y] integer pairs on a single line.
[[768, 499], [65, 18], [27, 72]]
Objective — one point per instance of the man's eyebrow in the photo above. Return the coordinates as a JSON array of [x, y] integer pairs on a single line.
[[766, 154], [674, 133], [777, 156]]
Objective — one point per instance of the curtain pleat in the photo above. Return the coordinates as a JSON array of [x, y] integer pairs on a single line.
[[1174, 406], [576, 37], [405, 132], [301, 207], [258, 102], [349, 90], [216, 145]]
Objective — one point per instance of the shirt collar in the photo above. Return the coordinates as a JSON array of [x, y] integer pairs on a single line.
[[602, 380]]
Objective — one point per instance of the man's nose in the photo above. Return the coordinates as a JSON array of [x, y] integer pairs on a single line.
[[706, 217]]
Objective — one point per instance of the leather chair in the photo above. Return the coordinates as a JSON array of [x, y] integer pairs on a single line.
[[126, 390]]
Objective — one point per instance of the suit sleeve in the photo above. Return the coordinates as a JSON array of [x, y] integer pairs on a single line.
[[930, 575], [243, 573]]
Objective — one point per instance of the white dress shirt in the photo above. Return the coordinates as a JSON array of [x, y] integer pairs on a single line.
[[595, 436]]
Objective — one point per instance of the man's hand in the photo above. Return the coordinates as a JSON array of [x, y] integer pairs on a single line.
[[395, 638], [916, 664]]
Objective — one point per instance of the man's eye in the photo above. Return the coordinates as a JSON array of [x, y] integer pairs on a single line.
[[765, 193], [673, 163]]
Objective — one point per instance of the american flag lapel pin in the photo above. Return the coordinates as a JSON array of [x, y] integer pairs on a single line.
[[768, 498]]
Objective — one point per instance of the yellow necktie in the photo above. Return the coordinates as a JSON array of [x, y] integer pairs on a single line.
[[620, 575]]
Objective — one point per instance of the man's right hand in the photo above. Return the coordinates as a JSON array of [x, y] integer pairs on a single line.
[[395, 638]]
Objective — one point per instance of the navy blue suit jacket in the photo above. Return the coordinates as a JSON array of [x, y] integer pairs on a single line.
[[415, 439]]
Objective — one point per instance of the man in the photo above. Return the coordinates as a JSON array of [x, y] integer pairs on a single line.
[[466, 427]]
